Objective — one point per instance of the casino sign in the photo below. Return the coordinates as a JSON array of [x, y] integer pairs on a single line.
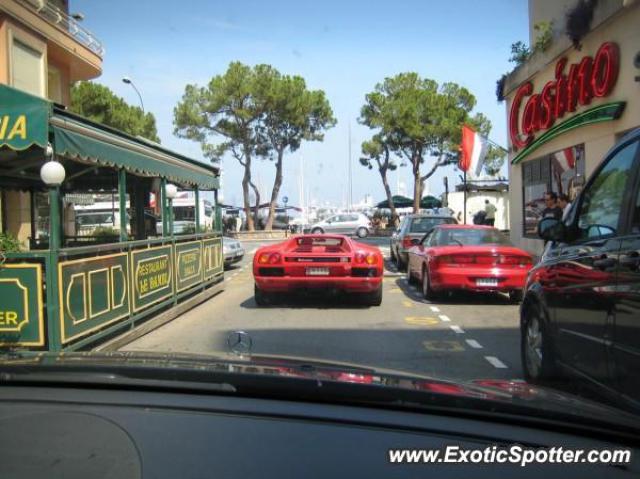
[[574, 85]]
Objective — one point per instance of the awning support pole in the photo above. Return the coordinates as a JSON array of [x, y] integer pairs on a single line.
[[196, 192], [122, 199], [464, 218], [163, 206]]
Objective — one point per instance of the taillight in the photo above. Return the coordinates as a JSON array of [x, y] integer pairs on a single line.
[[269, 258], [456, 259], [362, 258], [406, 243], [516, 260]]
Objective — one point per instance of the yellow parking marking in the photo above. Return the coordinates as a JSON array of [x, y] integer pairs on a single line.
[[421, 320], [407, 304], [443, 346], [395, 291]]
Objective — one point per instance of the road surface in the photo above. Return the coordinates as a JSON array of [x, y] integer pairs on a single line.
[[462, 337]]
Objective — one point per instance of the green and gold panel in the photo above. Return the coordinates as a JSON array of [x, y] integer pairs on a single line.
[[21, 305], [212, 257], [152, 276], [188, 264], [93, 293]]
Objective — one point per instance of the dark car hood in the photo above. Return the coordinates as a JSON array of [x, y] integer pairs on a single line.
[[513, 393]]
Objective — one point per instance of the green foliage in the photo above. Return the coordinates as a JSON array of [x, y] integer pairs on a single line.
[[544, 36], [519, 53], [494, 160], [100, 104], [258, 112], [420, 121], [9, 243], [104, 231]]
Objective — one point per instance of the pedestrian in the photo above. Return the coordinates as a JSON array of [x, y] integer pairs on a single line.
[[552, 210], [565, 204], [490, 213]]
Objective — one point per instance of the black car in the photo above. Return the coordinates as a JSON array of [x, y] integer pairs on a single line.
[[581, 313]]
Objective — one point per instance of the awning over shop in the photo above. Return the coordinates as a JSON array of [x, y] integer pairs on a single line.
[[27, 120]]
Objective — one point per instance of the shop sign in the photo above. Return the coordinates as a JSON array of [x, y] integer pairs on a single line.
[[152, 275], [574, 85], [188, 264], [23, 119], [21, 307]]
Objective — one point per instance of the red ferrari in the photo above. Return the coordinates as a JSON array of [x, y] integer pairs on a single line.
[[466, 257], [318, 262]]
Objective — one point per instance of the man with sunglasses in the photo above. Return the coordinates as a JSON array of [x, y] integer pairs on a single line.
[[552, 209]]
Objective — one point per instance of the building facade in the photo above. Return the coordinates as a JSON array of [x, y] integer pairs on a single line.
[[43, 51], [568, 105]]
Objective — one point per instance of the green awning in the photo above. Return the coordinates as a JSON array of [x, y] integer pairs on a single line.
[[27, 120], [23, 119], [80, 140]]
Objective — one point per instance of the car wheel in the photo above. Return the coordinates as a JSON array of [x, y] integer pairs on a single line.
[[261, 298], [408, 275], [536, 349], [427, 292], [515, 296], [362, 232], [317, 231], [375, 298]]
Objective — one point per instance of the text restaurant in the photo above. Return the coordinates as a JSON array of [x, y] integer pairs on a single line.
[[102, 252], [564, 112]]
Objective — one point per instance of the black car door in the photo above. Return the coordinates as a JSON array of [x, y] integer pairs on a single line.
[[583, 295], [626, 335]]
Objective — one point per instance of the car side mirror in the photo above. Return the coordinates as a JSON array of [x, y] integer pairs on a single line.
[[415, 241], [552, 229]]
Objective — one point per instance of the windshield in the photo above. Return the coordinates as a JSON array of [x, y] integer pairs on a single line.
[[362, 154], [423, 225], [471, 237]]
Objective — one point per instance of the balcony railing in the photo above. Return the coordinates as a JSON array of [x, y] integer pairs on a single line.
[[64, 22]]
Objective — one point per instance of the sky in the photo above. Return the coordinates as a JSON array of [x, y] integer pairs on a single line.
[[342, 47]]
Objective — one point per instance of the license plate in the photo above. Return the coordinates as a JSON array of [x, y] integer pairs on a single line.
[[486, 282], [317, 271]]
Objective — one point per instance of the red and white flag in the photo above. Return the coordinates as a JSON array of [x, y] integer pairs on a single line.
[[565, 160], [473, 151]]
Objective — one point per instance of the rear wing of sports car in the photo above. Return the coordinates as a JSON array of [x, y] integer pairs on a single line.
[[318, 244]]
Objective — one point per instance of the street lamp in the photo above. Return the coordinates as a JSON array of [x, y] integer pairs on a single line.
[[171, 191], [52, 174], [128, 81]]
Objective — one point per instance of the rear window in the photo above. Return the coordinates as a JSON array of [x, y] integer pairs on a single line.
[[423, 225], [471, 237], [318, 241]]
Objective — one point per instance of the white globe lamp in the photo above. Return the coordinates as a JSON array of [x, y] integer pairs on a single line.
[[52, 173]]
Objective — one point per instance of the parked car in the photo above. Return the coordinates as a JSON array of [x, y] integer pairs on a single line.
[[232, 251], [318, 263], [581, 312], [411, 230], [470, 258], [344, 223]]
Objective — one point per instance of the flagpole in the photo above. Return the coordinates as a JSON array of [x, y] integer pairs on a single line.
[[464, 184]]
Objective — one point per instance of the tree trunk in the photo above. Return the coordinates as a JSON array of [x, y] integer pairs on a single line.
[[246, 179], [387, 190], [417, 184], [256, 209], [277, 183]]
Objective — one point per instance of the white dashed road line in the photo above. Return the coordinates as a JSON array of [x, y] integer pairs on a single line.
[[435, 309], [456, 329], [444, 318], [473, 343], [495, 362]]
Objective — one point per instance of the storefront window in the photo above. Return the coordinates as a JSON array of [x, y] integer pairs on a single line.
[[561, 172]]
